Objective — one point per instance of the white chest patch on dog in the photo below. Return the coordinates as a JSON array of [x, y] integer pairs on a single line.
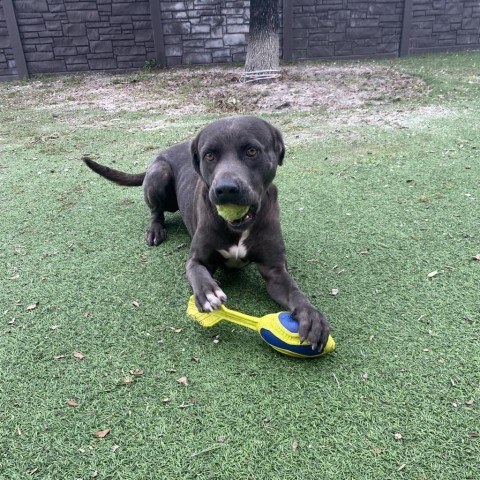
[[235, 255]]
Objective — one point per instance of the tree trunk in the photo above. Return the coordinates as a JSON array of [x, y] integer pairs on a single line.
[[263, 48]]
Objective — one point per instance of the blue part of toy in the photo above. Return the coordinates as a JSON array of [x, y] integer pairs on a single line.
[[288, 322], [295, 350]]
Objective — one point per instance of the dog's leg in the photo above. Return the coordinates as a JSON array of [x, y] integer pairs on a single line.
[[314, 327], [159, 191]]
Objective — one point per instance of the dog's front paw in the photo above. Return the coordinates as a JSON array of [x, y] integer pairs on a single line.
[[210, 298], [313, 326], [155, 234]]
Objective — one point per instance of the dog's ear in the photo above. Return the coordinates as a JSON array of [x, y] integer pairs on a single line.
[[278, 144], [195, 155]]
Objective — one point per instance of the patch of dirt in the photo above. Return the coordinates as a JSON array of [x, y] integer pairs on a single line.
[[218, 90], [321, 87]]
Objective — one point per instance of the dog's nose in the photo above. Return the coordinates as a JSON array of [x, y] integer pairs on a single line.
[[227, 191]]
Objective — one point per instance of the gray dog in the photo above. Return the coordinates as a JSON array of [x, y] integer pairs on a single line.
[[231, 161]]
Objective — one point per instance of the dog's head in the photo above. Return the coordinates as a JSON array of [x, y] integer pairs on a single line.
[[237, 158]]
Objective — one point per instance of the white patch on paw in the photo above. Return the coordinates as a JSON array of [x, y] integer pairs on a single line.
[[221, 295], [214, 300], [206, 307]]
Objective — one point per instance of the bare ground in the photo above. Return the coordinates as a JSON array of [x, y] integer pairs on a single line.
[[218, 90]]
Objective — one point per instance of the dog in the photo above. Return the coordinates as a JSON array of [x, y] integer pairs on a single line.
[[230, 161]]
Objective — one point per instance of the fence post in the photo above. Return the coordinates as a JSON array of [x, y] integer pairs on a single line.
[[406, 26], [15, 40], [157, 28], [287, 46]]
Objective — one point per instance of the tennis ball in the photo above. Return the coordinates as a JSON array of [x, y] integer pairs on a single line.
[[232, 212]]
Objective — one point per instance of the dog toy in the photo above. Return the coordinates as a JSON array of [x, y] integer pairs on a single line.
[[232, 212], [279, 330]]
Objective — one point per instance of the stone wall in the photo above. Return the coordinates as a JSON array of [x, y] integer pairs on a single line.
[[205, 31], [351, 28], [445, 24], [7, 61], [73, 35], [79, 35]]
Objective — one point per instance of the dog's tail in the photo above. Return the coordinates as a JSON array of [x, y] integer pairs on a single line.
[[121, 178]]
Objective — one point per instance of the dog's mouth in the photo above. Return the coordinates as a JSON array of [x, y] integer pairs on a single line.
[[244, 221]]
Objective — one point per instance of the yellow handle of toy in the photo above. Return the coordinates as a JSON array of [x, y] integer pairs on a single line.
[[239, 318]]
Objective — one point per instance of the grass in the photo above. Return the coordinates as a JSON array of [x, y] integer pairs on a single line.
[[370, 207]]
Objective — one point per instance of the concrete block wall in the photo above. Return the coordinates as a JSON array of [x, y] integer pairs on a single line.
[[444, 24], [78, 35], [7, 60], [72, 35], [205, 31], [346, 28]]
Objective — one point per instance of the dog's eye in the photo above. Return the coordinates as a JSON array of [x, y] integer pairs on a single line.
[[252, 152], [209, 157]]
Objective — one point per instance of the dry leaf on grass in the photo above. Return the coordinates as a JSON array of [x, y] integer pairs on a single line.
[[377, 450], [71, 403], [334, 292], [33, 306], [78, 355], [102, 433], [295, 445], [398, 436], [127, 379], [432, 274], [183, 381], [135, 303]]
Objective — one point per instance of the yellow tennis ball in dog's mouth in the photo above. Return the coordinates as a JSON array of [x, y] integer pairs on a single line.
[[232, 212]]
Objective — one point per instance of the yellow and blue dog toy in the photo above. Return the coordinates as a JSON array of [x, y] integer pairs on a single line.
[[279, 330]]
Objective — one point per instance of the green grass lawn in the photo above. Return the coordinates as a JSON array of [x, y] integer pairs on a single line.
[[374, 202]]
